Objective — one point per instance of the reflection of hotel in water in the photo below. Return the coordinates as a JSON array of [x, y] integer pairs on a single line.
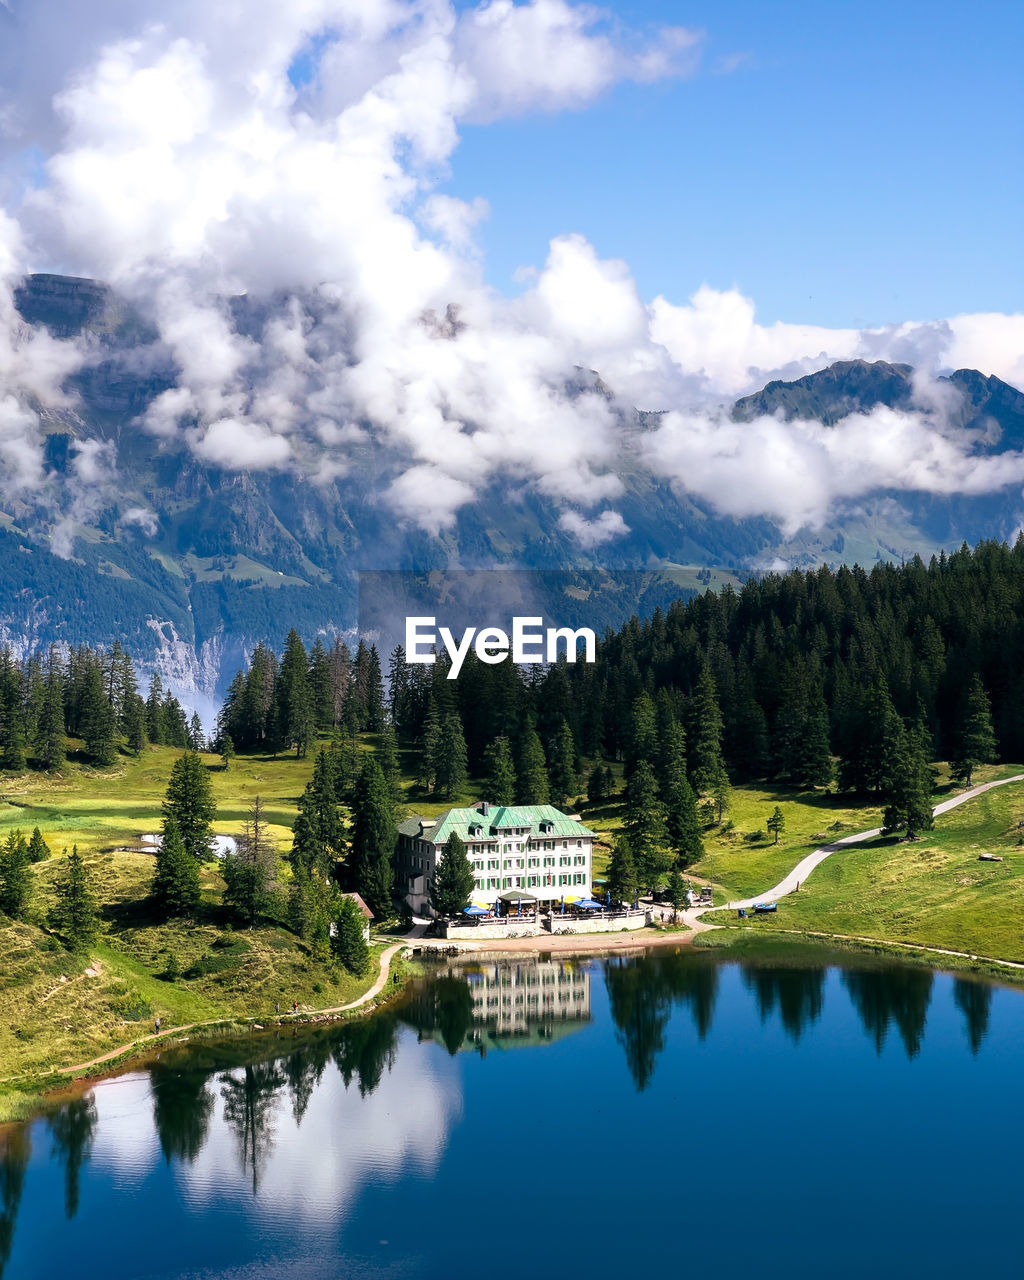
[[527, 1002]]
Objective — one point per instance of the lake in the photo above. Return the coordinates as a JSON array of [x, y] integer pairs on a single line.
[[550, 1117]]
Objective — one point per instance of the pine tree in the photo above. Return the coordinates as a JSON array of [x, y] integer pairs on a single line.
[[38, 849], [623, 883], [909, 796], [196, 737], [251, 874], [293, 697], [154, 711], [974, 742], [453, 880], [814, 766], [597, 785], [400, 691], [643, 733], [227, 751], [16, 879], [75, 913], [531, 768], [133, 721], [51, 743], [98, 724], [431, 738], [389, 765], [644, 824], [776, 824], [373, 840], [500, 783], [708, 776], [676, 890], [683, 824], [450, 766], [189, 801], [564, 778], [347, 940], [320, 687], [175, 890]]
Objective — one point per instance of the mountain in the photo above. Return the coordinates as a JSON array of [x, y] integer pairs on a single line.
[[190, 564]]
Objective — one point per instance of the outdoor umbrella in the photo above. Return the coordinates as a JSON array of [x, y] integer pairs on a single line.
[[588, 904], [474, 911]]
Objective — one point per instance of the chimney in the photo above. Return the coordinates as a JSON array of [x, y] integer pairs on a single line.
[[484, 808]]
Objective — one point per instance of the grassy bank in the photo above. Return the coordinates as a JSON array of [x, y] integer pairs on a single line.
[[61, 1009], [932, 891]]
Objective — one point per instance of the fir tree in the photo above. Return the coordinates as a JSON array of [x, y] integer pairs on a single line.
[[500, 783], [133, 721], [531, 768], [373, 840], [453, 880], [564, 778], [98, 723], [708, 776], [975, 741], [683, 824], [175, 890], [676, 890], [450, 766], [814, 757], [251, 873], [154, 711], [16, 880], [644, 824], [909, 804], [293, 698], [196, 737], [189, 801], [75, 912], [38, 849], [643, 732], [776, 824], [347, 940], [320, 686], [623, 883], [51, 744]]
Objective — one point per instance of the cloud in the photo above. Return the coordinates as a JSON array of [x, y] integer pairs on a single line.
[[593, 533], [263, 183]]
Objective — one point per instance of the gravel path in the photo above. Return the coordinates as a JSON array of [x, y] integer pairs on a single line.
[[806, 865]]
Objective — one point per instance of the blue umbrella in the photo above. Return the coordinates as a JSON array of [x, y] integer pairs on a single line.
[[520, 911], [607, 897], [474, 911], [589, 904]]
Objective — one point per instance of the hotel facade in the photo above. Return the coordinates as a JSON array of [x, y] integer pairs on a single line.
[[536, 848]]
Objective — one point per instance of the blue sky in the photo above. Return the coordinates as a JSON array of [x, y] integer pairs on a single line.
[[862, 164]]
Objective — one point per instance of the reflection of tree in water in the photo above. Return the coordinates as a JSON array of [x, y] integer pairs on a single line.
[[897, 995], [15, 1149], [249, 1105], [364, 1049], [640, 1011], [303, 1071], [641, 993], [974, 1000], [798, 993], [444, 1006], [73, 1128], [182, 1107]]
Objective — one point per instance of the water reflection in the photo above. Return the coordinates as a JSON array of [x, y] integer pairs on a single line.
[[72, 1129], [883, 997], [641, 993], [182, 1108], [501, 1005], [974, 1000], [15, 1150], [799, 995], [226, 1116]]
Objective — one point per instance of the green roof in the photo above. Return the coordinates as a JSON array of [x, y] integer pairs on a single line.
[[498, 817]]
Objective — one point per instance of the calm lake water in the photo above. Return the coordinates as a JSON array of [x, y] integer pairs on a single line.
[[547, 1118]]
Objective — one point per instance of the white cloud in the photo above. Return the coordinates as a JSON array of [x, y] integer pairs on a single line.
[[593, 533], [181, 163]]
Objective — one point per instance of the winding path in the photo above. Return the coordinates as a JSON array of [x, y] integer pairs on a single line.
[[805, 866], [385, 968]]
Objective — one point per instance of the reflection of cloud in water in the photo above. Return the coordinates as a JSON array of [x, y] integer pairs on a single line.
[[309, 1174]]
